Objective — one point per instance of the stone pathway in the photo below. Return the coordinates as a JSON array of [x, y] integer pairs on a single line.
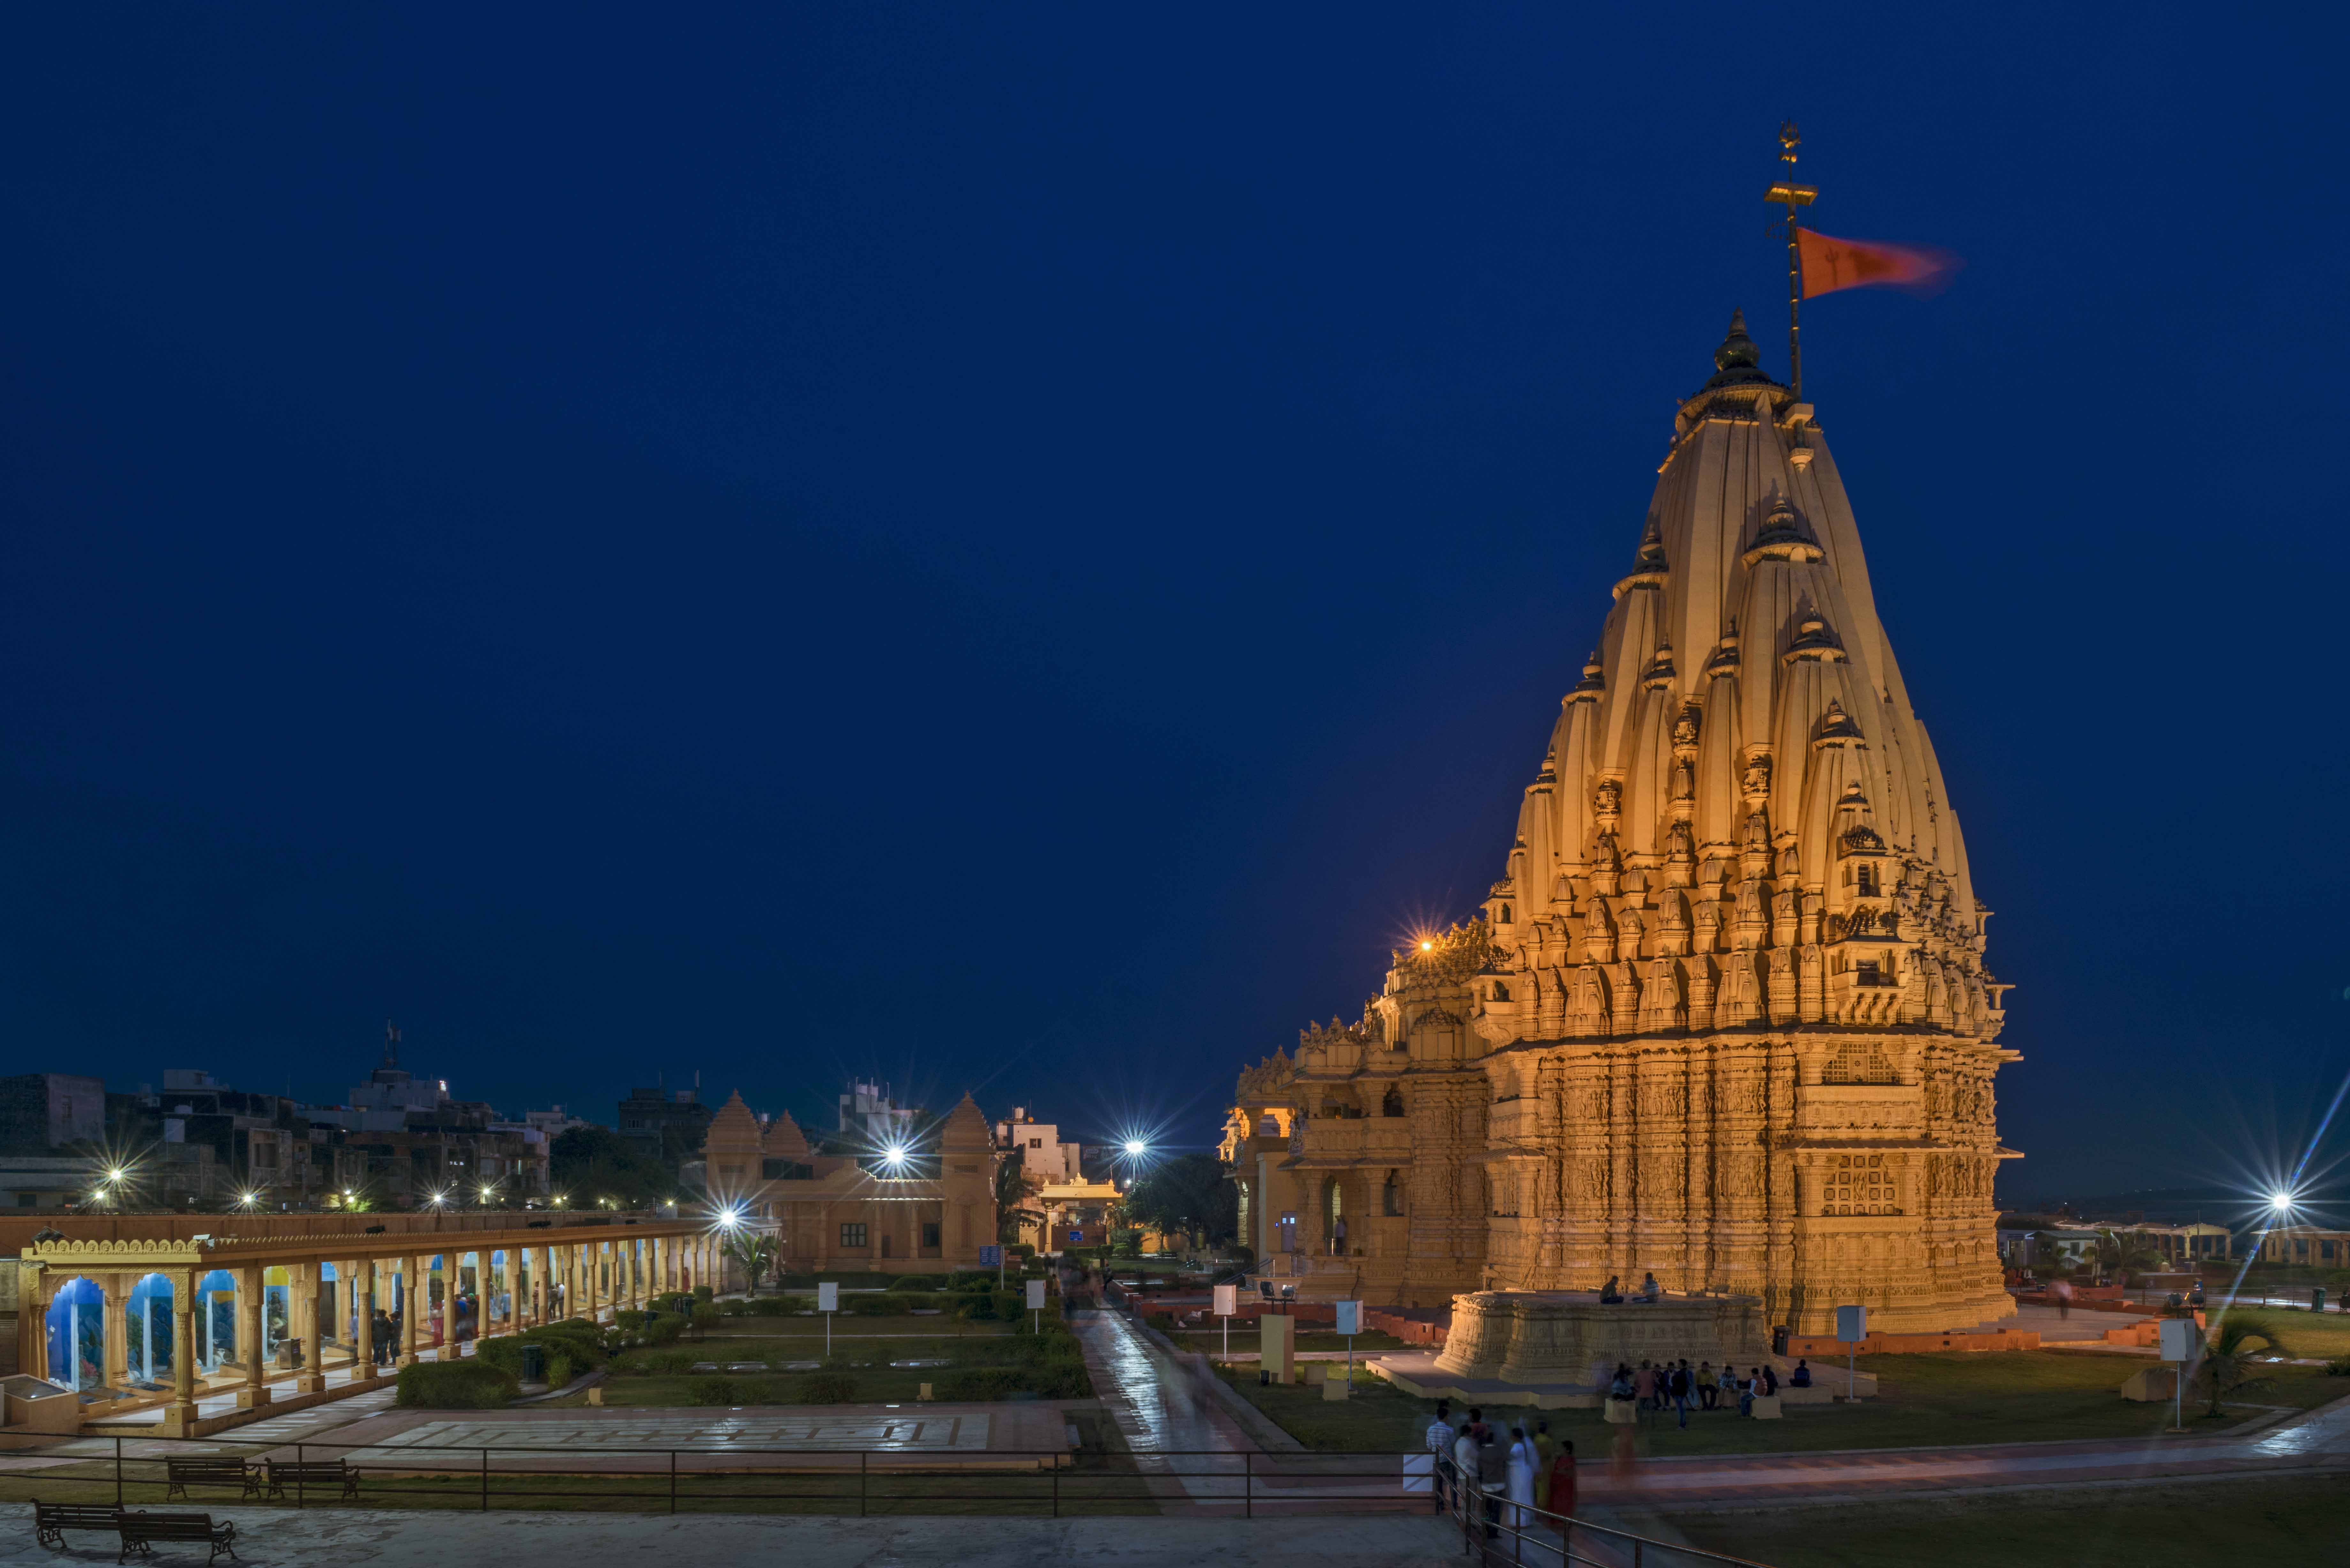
[[350, 1538]]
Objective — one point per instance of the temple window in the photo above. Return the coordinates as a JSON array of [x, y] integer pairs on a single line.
[[852, 1235], [1500, 991]]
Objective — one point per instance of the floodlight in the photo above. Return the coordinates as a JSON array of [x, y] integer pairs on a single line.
[[1136, 1145]]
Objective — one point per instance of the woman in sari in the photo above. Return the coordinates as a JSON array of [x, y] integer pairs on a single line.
[[1545, 1446], [1559, 1498]]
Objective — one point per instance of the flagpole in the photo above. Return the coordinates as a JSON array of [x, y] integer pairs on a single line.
[[1794, 196]]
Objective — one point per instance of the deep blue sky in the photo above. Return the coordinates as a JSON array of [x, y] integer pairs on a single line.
[[1019, 548]]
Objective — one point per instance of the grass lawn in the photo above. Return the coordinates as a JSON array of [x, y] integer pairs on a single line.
[[1924, 1401], [1247, 1339], [846, 1325], [2200, 1526], [2305, 1333], [781, 1379]]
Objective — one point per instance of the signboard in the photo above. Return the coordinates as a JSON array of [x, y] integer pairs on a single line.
[[2181, 1340], [1350, 1317], [1852, 1325], [991, 1257], [1419, 1473], [1037, 1295], [828, 1297], [1077, 1238], [1228, 1299]]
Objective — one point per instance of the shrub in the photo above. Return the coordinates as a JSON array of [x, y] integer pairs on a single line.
[[979, 1384], [576, 1338], [506, 1354], [2338, 1367], [980, 1308], [629, 1320], [1060, 1380], [664, 1329], [704, 1293], [734, 1306], [772, 1307], [916, 1282], [705, 1317], [474, 1385], [1021, 1249], [883, 1305], [828, 1388], [712, 1391], [655, 1362]]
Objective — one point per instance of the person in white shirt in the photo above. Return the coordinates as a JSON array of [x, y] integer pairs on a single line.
[[1440, 1439]]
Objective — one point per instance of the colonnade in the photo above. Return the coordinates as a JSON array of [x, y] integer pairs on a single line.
[[533, 1277]]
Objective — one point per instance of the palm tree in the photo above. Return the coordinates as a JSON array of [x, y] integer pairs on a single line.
[[2121, 1253], [1011, 1193], [754, 1251], [2228, 1366]]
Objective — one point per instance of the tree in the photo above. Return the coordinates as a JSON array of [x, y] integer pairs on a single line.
[[2121, 1253], [2049, 1259], [1012, 1186], [2229, 1363], [754, 1249], [1191, 1194], [593, 1163]]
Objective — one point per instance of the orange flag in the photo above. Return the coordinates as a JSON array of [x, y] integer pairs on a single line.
[[1830, 264]]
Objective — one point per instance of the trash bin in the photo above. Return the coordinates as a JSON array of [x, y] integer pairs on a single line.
[[533, 1364], [2317, 1298]]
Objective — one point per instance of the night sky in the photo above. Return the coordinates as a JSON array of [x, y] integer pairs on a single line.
[[1019, 549]]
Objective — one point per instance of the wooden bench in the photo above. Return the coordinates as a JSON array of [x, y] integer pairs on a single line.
[[182, 1474], [308, 1473], [52, 1519], [141, 1530]]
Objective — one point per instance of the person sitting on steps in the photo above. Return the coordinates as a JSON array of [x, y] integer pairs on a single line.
[[1611, 1292], [1651, 1292]]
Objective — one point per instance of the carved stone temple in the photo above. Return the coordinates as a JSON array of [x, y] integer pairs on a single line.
[[1725, 1017]]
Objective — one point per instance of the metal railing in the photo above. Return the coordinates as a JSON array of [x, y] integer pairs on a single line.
[[743, 1477], [1524, 1536]]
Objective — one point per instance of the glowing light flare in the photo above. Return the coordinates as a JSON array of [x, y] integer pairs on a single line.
[[1426, 946], [1137, 1148], [2280, 1201], [894, 1154]]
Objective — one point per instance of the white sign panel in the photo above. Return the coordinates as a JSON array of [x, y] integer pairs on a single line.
[[1037, 1295], [1350, 1317], [1419, 1473], [1228, 1299], [828, 1297], [1852, 1323], [2181, 1340]]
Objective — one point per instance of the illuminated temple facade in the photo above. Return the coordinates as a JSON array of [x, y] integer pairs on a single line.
[[1725, 1016]]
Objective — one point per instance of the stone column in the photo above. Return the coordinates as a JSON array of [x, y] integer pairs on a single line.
[[363, 1320], [115, 1326], [313, 1319], [256, 1392], [448, 1302], [410, 1306], [180, 1415]]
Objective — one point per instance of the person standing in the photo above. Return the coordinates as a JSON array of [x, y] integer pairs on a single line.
[[1465, 1468], [1493, 1477], [1545, 1447], [1519, 1479], [1680, 1386], [1440, 1439], [1559, 1499], [1644, 1386]]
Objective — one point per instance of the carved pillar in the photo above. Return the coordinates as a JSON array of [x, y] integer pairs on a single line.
[[313, 1319], [412, 1304], [180, 1415], [254, 1393]]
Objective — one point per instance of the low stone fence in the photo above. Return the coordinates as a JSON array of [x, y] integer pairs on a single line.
[[1809, 1344]]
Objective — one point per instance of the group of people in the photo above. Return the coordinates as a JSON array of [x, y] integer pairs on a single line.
[[1512, 1483], [1612, 1292], [1663, 1385]]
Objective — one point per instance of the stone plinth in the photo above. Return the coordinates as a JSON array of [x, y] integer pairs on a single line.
[[1561, 1336]]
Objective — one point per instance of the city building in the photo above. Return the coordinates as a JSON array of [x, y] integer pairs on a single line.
[[29, 1181], [834, 1212], [869, 1118], [1042, 1154], [42, 1111], [669, 1123], [554, 1123], [1724, 1016]]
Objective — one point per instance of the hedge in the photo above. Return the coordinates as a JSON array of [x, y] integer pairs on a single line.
[[505, 1353], [828, 1388], [474, 1385]]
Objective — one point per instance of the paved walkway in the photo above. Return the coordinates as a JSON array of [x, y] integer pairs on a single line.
[[351, 1539]]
